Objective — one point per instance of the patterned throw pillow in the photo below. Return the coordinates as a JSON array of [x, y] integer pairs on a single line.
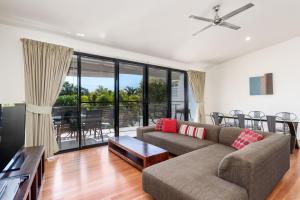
[[159, 124], [246, 137], [196, 132]]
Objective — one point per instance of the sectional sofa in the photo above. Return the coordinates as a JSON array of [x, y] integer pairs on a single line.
[[211, 169]]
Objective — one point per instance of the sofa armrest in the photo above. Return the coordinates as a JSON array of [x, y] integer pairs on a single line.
[[141, 130], [257, 167]]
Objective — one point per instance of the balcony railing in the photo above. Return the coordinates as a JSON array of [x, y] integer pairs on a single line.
[[97, 123]]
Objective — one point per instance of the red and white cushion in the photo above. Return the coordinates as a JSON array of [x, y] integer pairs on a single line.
[[196, 132], [246, 137], [159, 124]]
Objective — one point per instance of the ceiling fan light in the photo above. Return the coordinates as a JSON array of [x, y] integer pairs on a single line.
[[248, 38]]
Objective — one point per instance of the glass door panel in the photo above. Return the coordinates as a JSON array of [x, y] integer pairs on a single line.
[[131, 98], [65, 111], [177, 95], [97, 100], [192, 105], [157, 94]]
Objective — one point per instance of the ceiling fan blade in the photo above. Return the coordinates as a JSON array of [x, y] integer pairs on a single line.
[[201, 18], [206, 27], [237, 11], [228, 25]]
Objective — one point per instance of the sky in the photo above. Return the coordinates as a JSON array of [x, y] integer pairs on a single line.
[[92, 83]]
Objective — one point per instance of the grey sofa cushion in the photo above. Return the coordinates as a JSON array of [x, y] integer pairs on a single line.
[[258, 166], [229, 134], [192, 176], [175, 143], [212, 131]]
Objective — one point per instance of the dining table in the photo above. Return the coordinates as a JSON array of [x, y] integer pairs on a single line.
[[271, 123]]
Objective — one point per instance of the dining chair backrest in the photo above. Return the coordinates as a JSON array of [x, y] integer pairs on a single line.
[[93, 118], [257, 125], [274, 121], [68, 113], [107, 115], [256, 114], [286, 116], [56, 111], [235, 112]]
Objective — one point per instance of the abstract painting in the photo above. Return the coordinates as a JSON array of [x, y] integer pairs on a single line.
[[261, 85]]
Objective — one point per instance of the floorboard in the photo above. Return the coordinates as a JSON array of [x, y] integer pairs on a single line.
[[95, 173]]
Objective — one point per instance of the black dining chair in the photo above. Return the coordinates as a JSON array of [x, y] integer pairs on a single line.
[[181, 112], [107, 120], [92, 124], [285, 117], [257, 117]]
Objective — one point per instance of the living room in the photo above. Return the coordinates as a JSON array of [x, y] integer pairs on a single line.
[[91, 94]]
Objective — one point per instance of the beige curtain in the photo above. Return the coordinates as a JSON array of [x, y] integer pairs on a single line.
[[197, 83], [46, 66]]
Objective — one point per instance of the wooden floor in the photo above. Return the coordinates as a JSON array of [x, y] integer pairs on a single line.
[[97, 174]]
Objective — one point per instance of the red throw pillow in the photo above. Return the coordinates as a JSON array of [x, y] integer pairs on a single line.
[[159, 124], [246, 137], [169, 126]]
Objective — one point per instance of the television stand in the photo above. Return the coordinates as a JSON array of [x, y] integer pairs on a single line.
[[33, 166]]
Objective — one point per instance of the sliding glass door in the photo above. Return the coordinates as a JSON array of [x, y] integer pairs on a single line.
[[97, 86], [105, 97], [157, 94], [131, 78]]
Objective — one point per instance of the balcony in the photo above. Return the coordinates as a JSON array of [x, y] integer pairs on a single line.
[[97, 123]]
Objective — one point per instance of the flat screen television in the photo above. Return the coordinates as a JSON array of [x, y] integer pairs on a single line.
[[12, 135]]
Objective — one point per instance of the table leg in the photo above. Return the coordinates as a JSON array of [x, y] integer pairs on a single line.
[[175, 116], [296, 131], [58, 134], [294, 142]]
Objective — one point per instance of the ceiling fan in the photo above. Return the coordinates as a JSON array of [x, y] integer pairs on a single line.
[[221, 21]]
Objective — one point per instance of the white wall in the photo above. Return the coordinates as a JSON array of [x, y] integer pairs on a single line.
[[11, 58], [227, 84]]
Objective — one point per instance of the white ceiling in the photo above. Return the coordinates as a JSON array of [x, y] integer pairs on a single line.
[[161, 27]]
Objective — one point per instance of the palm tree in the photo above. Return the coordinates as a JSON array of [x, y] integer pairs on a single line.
[[131, 90]]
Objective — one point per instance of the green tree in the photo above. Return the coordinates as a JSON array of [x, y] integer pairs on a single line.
[[130, 98], [66, 100], [131, 90], [68, 89], [157, 89]]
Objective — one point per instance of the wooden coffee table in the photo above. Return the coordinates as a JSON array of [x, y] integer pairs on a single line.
[[138, 153]]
